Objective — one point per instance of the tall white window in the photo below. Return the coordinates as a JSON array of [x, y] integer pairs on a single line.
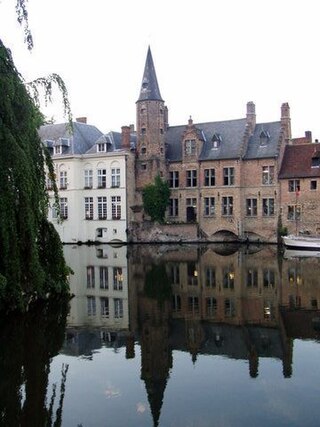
[[88, 207], [103, 273], [102, 207], [88, 178], [63, 180], [115, 177], [90, 277], [91, 306], [118, 308], [63, 207], [102, 178], [104, 306], [116, 207]]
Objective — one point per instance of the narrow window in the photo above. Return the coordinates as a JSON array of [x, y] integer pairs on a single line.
[[88, 207]]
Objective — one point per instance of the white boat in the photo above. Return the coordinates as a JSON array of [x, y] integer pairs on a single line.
[[302, 242], [300, 253]]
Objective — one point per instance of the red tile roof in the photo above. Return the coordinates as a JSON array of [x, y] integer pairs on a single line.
[[297, 159]]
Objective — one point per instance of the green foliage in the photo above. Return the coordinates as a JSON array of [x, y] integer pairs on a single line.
[[24, 202], [157, 284], [156, 199]]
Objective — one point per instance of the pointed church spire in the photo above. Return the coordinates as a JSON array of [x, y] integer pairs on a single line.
[[149, 87]]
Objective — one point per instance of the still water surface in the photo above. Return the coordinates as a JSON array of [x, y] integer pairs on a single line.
[[184, 336]]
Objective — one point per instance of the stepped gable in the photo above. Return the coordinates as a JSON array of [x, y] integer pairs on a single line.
[[264, 142], [298, 161]]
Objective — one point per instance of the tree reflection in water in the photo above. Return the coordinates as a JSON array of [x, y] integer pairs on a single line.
[[27, 344]]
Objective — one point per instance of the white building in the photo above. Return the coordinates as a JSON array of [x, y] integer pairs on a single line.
[[91, 175]]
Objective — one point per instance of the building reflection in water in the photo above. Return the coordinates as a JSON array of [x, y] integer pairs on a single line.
[[244, 303]]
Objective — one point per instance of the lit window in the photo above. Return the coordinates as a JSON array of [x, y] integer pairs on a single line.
[[117, 279]]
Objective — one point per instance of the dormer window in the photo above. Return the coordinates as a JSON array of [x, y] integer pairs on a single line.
[[65, 142], [216, 141], [57, 149], [264, 138], [101, 147], [315, 162], [190, 147]]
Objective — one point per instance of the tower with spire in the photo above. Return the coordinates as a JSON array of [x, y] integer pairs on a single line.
[[152, 122]]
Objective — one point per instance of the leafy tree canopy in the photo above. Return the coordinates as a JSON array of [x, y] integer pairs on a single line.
[[156, 199], [31, 262]]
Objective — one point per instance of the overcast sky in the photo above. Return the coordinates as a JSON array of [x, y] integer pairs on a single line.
[[211, 57]]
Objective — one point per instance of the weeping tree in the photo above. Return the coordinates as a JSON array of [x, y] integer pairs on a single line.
[[31, 263]]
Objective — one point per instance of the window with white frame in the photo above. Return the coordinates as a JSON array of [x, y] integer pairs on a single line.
[[227, 206], [103, 277], [101, 147], [91, 306], [63, 180], [251, 207], [88, 207], [268, 207], [116, 207], [57, 149], [228, 176], [209, 177], [64, 207], [102, 207], [115, 177], [104, 306], [102, 178], [117, 279], [267, 175], [88, 178], [90, 277], [174, 207], [118, 308], [191, 178], [209, 206]]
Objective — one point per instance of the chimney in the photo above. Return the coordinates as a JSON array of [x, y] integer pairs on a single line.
[[308, 135], [285, 120], [81, 120], [125, 137], [251, 116]]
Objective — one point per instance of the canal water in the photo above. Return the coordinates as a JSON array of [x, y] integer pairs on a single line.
[[164, 335]]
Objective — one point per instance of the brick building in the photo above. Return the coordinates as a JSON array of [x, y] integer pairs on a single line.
[[223, 175]]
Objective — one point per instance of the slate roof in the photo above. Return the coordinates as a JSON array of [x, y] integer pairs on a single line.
[[83, 136], [149, 86], [232, 134], [297, 161], [255, 150]]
